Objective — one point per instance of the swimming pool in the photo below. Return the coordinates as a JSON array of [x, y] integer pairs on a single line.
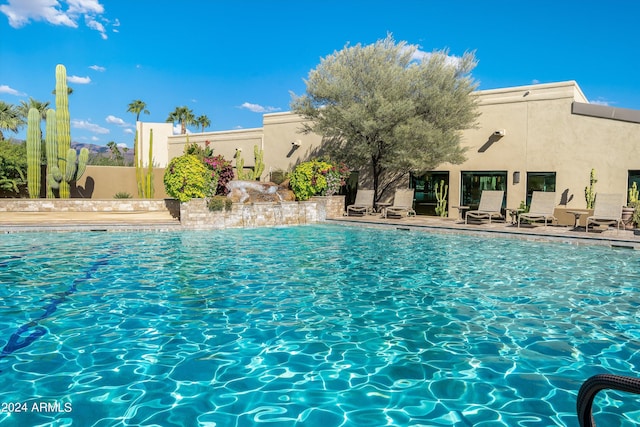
[[311, 326]]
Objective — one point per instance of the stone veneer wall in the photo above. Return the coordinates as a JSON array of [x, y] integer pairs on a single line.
[[88, 205], [196, 214]]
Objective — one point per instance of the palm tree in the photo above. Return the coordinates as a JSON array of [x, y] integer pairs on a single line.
[[182, 115], [136, 107], [203, 121], [9, 118], [24, 107]]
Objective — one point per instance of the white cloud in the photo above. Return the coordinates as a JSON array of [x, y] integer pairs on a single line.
[[79, 80], [98, 68], [258, 108], [11, 91], [420, 55], [115, 120], [600, 102], [129, 131], [91, 127], [122, 145], [21, 12]]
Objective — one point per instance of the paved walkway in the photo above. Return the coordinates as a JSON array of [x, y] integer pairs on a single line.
[[11, 222], [69, 221]]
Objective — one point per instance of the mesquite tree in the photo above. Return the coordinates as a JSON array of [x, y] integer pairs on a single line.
[[387, 113]]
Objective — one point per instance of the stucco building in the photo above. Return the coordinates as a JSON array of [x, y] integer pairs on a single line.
[[545, 137]]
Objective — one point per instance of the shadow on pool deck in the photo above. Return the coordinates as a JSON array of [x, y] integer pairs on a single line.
[[11, 222]]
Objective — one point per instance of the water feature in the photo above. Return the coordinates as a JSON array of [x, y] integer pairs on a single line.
[[313, 326]]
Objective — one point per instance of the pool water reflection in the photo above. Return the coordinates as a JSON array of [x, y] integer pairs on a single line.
[[314, 326]]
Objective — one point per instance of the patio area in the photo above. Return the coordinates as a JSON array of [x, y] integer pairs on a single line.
[[604, 236]]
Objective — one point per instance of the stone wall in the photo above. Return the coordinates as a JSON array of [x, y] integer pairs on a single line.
[[192, 214], [89, 205], [196, 214]]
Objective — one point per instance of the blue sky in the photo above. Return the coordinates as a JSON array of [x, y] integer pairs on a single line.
[[235, 60]]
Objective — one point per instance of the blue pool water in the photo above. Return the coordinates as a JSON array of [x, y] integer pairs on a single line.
[[311, 326]]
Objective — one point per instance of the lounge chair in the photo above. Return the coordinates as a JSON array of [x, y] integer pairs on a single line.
[[363, 204], [543, 204], [490, 206], [607, 210], [402, 204]]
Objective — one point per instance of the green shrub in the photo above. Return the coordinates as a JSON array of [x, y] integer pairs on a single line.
[[278, 176], [318, 177], [122, 195], [13, 167], [186, 178], [219, 203]]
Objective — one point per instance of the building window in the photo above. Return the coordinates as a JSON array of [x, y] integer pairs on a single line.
[[540, 181], [425, 191], [634, 176], [474, 183]]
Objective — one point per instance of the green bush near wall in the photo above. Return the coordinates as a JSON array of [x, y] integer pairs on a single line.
[[186, 178]]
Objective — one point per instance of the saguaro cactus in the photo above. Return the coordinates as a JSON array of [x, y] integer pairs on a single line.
[[63, 127], [51, 151], [34, 153], [65, 170]]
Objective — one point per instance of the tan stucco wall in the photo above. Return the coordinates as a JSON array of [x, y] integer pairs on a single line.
[[103, 182], [541, 135], [224, 143], [161, 134]]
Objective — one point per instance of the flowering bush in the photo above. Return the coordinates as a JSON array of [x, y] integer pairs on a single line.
[[221, 169], [318, 177], [221, 173]]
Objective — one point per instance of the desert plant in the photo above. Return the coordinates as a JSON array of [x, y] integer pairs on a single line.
[[51, 151], [122, 195], [633, 194], [219, 203], [258, 168], [589, 191], [144, 177], [63, 131], [69, 166], [441, 198], [278, 176], [34, 147], [186, 177]]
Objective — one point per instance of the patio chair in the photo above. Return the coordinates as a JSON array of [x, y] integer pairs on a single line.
[[543, 203], [607, 210], [402, 204], [490, 206], [363, 204]]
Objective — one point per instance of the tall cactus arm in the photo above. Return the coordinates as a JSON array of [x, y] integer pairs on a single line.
[[70, 171], [83, 158]]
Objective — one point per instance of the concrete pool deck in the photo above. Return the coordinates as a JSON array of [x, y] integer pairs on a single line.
[[605, 237], [12, 222]]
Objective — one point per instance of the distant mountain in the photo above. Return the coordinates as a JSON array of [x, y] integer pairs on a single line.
[[95, 151]]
